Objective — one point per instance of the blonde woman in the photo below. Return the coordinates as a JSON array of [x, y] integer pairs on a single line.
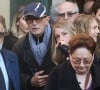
[[87, 24], [62, 33], [19, 29], [79, 73], [19, 26]]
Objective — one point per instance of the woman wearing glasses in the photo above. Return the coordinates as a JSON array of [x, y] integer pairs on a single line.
[[79, 73], [89, 25]]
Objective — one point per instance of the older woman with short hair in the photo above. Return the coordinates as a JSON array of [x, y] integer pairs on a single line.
[[79, 73]]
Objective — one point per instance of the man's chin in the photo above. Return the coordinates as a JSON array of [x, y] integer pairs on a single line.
[[36, 34]]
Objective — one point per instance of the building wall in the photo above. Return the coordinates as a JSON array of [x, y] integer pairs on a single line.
[[5, 10], [57, 1]]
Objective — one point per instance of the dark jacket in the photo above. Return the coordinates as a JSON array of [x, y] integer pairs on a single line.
[[63, 78], [9, 41], [11, 63], [28, 64]]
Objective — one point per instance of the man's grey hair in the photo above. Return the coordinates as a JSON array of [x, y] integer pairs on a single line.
[[54, 10]]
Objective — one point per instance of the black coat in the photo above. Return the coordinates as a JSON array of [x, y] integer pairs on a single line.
[[28, 64], [63, 78]]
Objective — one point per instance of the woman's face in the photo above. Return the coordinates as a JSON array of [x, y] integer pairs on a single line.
[[23, 25], [81, 60], [61, 36], [98, 15], [94, 30]]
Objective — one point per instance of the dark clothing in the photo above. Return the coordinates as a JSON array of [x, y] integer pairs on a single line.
[[2, 83], [63, 78], [28, 64], [96, 60], [11, 63], [9, 41], [64, 50]]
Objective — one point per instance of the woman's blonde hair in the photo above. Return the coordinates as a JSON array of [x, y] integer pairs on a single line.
[[57, 56], [83, 23], [15, 27], [2, 21]]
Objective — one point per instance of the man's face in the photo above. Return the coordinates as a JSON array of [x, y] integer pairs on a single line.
[[2, 30], [67, 12], [37, 25]]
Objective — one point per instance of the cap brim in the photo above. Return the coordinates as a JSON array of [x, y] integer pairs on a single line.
[[32, 14]]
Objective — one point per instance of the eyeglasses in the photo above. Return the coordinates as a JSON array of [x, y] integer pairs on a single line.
[[30, 19], [79, 60], [69, 14]]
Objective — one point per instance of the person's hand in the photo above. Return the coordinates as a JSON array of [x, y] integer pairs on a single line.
[[64, 49], [60, 43], [39, 79]]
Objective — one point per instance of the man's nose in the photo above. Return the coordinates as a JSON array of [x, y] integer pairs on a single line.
[[34, 22], [66, 16]]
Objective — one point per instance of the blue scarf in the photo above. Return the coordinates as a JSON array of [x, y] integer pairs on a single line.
[[39, 50]]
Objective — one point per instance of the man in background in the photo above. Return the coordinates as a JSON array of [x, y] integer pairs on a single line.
[[64, 11]]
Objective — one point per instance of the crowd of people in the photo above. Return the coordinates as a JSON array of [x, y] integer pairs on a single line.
[[60, 51]]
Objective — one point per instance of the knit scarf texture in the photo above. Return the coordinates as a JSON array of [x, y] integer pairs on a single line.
[[39, 50]]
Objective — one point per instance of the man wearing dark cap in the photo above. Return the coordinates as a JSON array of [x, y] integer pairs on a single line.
[[33, 50]]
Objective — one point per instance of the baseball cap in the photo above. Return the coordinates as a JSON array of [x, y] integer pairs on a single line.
[[36, 9]]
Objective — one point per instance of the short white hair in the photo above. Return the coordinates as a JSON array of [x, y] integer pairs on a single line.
[[55, 8]]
